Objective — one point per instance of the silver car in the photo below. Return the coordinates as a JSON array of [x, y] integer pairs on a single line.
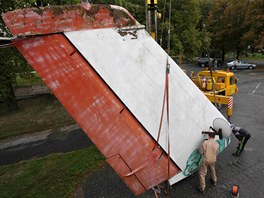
[[241, 65]]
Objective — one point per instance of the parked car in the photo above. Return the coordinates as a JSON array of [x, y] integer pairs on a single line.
[[241, 65], [204, 61]]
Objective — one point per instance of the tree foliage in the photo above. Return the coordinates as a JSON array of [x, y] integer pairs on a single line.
[[185, 16], [11, 61], [254, 22], [236, 25]]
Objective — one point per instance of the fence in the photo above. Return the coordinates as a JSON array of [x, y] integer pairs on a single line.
[[28, 91]]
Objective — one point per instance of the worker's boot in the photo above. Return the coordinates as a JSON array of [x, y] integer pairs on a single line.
[[213, 182], [201, 190], [236, 154]]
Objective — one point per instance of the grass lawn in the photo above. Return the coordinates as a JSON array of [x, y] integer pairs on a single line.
[[256, 56], [35, 114], [259, 58], [56, 175]]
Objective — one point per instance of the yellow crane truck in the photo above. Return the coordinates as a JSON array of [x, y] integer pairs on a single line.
[[219, 87]]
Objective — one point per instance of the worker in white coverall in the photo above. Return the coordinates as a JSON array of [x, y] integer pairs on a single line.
[[209, 150]]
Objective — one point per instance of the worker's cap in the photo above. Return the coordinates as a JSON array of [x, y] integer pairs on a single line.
[[232, 126], [235, 129]]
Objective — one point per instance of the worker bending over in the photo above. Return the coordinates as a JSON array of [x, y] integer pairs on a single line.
[[243, 136], [209, 150]]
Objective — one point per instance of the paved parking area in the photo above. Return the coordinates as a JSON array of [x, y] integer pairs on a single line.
[[247, 170]]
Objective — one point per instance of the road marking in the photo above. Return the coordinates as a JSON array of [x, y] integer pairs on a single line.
[[255, 89]]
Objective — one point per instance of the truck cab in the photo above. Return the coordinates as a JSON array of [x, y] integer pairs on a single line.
[[224, 82]]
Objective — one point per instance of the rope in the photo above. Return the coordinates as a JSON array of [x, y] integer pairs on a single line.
[[167, 68], [168, 44], [168, 118], [163, 107], [166, 96], [168, 121], [168, 113], [166, 100]]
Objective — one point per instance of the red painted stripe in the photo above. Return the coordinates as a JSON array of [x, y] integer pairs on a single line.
[[230, 102], [98, 111], [48, 20]]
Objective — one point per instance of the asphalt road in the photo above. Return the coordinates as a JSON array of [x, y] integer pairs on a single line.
[[42, 143], [246, 170]]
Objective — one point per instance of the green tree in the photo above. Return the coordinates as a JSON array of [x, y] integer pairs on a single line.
[[235, 14], [235, 25], [254, 20], [216, 24], [11, 61], [185, 36], [204, 35]]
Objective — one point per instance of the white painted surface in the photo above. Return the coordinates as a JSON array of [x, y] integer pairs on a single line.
[[134, 67]]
